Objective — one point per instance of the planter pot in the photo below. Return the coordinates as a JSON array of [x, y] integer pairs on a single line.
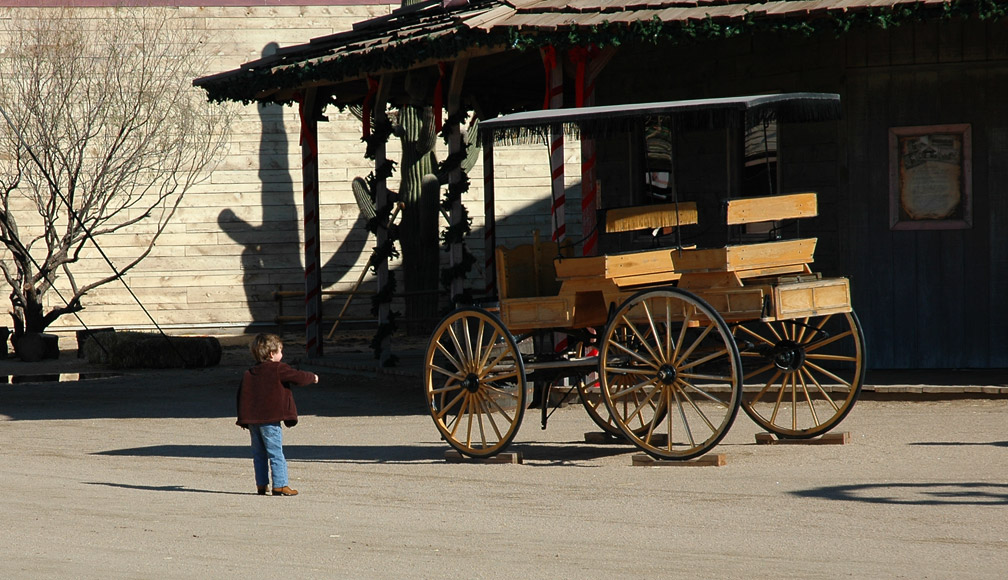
[[35, 346]]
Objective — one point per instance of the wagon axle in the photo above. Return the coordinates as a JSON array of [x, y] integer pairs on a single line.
[[667, 374], [471, 383], [788, 356]]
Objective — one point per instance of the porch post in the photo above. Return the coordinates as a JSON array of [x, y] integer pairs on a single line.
[[312, 254], [594, 62], [381, 200], [455, 177], [489, 234]]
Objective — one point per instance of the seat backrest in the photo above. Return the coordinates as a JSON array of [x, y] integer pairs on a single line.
[[748, 210], [650, 217], [527, 270]]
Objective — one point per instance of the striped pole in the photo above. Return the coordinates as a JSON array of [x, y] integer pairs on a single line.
[[312, 250], [589, 186], [489, 233], [554, 100], [558, 219]]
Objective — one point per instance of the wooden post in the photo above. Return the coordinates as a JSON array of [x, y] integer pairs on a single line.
[[456, 176], [312, 253], [489, 234], [589, 179], [381, 199]]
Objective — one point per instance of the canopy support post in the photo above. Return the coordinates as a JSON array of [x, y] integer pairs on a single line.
[[309, 112]]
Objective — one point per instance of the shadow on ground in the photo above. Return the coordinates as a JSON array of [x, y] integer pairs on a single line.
[[965, 493], [201, 393]]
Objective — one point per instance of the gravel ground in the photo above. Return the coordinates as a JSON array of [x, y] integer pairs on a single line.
[[145, 475]]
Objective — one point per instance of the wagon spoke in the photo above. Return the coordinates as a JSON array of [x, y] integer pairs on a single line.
[[821, 390], [651, 363], [808, 398], [487, 347], [813, 346], [451, 358], [693, 346], [643, 341], [755, 335], [823, 371], [702, 392], [660, 356], [458, 348], [447, 373], [682, 417], [468, 341], [659, 411], [488, 403], [794, 401], [758, 371]]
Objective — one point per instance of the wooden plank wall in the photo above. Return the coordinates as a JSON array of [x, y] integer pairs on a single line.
[[237, 237], [927, 298]]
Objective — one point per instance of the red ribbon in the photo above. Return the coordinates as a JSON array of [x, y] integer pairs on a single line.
[[439, 96], [368, 104], [581, 56], [549, 57]]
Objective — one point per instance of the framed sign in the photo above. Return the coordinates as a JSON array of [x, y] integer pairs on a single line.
[[930, 177]]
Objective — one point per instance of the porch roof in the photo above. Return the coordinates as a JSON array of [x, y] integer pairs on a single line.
[[430, 32]]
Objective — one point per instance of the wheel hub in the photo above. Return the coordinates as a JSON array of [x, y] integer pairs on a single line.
[[471, 383], [788, 356], [667, 375]]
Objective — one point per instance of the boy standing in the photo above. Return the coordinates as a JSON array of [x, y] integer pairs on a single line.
[[264, 401]]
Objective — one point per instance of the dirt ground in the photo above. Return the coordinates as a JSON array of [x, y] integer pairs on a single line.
[[145, 475]]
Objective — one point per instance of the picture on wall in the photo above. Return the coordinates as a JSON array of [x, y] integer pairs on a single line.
[[929, 177]]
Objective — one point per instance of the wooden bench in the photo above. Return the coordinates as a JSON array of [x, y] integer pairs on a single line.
[[528, 288]]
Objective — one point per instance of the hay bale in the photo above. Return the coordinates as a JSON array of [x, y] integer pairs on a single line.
[[129, 350]]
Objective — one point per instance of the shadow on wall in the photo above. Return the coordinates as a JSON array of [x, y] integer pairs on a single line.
[[272, 253], [272, 256]]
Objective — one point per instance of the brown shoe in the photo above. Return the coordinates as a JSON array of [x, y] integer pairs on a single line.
[[285, 490], [261, 489]]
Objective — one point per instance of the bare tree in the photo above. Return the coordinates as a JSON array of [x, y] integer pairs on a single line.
[[104, 134]]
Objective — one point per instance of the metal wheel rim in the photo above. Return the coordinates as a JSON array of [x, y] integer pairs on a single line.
[[802, 376], [474, 381], [685, 370]]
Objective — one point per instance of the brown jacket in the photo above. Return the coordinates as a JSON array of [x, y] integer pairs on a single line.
[[264, 395]]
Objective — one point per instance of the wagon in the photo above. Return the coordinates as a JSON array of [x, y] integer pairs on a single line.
[[662, 343]]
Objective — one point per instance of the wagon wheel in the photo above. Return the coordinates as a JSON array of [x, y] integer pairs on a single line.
[[802, 376], [475, 382], [668, 363]]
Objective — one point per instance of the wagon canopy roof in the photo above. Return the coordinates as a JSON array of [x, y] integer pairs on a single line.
[[693, 113], [430, 32]]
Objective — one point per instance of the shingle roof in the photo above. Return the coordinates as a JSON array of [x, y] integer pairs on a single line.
[[423, 34]]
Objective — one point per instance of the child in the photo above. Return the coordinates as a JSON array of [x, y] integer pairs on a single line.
[[264, 400]]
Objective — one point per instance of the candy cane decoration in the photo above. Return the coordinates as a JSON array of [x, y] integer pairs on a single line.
[[554, 100], [589, 186], [312, 253]]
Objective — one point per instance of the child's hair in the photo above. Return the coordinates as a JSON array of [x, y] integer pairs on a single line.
[[264, 345]]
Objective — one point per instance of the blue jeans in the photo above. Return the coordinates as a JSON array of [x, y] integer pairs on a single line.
[[267, 453]]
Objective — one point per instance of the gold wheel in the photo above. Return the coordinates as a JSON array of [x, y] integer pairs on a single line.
[[670, 373], [475, 382], [801, 376]]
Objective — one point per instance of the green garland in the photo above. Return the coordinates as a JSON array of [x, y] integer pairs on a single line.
[[385, 252], [245, 85], [457, 232], [835, 22]]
